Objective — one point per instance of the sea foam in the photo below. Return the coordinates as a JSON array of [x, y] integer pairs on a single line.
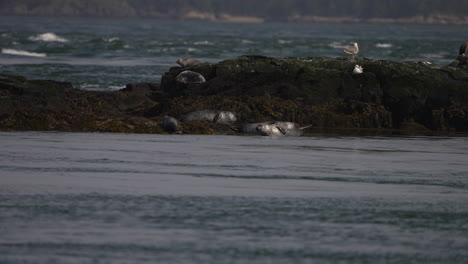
[[383, 45], [48, 37], [203, 43], [23, 53], [337, 45]]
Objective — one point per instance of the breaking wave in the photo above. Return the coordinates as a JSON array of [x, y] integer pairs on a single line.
[[383, 45], [203, 43], [111, 39], [23, 53], [48, 37], [337, 45]]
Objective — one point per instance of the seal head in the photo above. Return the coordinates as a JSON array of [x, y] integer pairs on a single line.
[[271, 129], [274, 128], [187, 62], [170, 124]]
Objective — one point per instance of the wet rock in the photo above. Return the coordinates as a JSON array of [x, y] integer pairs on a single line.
[[462, 63], [406, 89], [51, 105], [319, 91]]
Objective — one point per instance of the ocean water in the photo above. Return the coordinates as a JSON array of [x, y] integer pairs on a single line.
[[118, 198], [106, 54]]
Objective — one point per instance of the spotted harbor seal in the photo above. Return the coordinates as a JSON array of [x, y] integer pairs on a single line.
[[189, 77], [216, 116], [352, 50], [464, 49], [170, 124], [274, 128], [187, 62]]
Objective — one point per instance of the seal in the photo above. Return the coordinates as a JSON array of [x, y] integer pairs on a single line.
[[187, 62], [189, 77], [216, 116], [274, 128], [170, 124], [464, 49]]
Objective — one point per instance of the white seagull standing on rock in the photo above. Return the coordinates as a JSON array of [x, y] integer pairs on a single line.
[[352, 50], [358, 69]]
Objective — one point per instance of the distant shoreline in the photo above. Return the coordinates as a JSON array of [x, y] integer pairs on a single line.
[[229, 18]]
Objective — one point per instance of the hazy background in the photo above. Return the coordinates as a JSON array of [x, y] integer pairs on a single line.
[[373, 11]]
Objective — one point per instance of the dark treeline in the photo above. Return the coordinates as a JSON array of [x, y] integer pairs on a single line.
[[266, 9]]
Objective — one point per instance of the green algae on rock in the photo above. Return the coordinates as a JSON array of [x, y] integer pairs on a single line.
[[408, 90], [317, 91]]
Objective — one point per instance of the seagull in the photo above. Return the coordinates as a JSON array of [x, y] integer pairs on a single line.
[[358, 69], [352, 50]]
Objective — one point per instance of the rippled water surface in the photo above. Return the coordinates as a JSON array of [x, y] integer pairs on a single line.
[[100, 54], [115, 198]]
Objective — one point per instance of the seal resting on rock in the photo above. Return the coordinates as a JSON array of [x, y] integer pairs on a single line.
[[187, 62], [274, 128], [464, 49], [170, 124], [216, 116], [189, 77]]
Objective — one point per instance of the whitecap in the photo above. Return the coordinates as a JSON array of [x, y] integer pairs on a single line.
[[97, 87], [204, 42], [246, 41], [111, 39], [384, 45], [116, 87], [282, 41], [337, 45], [48, 37], [432, 55], [191, 49], [168, 49], [88, 86], [23, 53]]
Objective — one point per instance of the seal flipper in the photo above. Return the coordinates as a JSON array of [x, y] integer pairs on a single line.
[[216, 118], [306, 127], [235, 129]]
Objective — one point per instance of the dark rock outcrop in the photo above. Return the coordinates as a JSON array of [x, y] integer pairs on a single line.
[[319, 91], [50, 105], [418, 91]]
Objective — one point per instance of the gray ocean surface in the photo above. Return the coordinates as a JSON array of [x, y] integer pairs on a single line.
[[119, 198], [107, 54]]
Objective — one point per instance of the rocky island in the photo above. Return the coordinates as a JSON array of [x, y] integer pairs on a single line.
[[319, 92]]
